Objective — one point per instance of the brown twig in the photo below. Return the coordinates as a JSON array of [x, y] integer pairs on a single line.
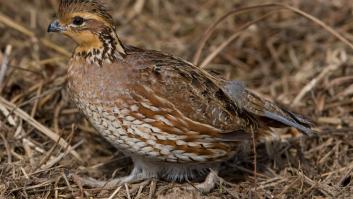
[[255, 160], [20, 113]]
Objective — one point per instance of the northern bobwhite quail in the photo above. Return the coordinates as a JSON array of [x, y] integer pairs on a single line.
[[173, 119]]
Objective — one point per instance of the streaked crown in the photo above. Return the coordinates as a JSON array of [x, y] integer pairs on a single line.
[[94, 7]]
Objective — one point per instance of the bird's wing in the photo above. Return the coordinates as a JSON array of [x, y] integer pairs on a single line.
[[173, 83], [267, 112]]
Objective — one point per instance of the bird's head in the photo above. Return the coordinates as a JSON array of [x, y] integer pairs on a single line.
[[88, 23]]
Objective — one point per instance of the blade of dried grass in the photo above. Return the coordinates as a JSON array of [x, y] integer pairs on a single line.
[[336, 171], [325, 189], [141, 187], [4, 64], [51, 163], [239, 11], [255, 159], [7, 148], [153, 187], [115, 192], [309, 86], [14, 25], [213, 26], [214, 53], [30, 120], [127, 191], [46, 157], [38, 186]]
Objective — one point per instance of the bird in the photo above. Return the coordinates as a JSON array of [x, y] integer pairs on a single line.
[[175, 120]]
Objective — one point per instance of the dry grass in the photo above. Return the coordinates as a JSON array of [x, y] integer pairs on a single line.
[[286, 57]]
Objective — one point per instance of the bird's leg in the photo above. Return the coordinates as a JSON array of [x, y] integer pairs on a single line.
[[210, 182], [136, 175]]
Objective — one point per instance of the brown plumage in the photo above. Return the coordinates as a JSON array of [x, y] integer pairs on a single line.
[[68, 7], [172, 118]]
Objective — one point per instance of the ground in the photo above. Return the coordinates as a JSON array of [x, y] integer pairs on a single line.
[[305, 65]]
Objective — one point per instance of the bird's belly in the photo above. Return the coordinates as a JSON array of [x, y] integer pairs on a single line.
[[107, 123], [137, 137]]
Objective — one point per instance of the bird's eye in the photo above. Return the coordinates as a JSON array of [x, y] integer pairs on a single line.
[[77, 21]]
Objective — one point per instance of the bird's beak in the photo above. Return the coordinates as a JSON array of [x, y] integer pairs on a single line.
[[55, 26]]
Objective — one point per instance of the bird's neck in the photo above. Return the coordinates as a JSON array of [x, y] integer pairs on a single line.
[[102, 47]]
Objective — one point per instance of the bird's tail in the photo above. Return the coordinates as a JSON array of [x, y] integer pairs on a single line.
[[269, 113]]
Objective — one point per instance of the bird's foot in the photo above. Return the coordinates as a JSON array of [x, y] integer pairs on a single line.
[[210, 183], [134, 177]]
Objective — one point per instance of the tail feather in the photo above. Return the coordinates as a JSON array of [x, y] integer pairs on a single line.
[[269, 113], [290, 121]]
